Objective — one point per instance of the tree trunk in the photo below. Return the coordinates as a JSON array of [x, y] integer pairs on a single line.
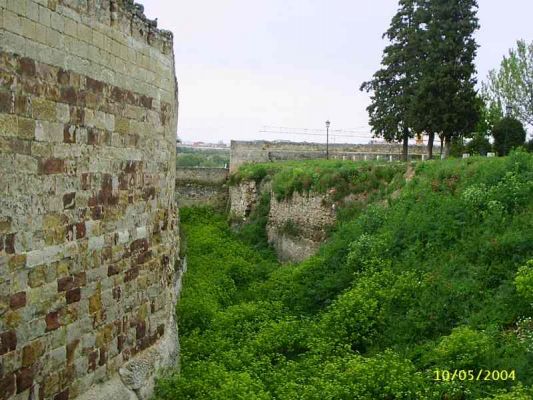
[[447, 146], [430, 145], [441, 145], [405, 148]]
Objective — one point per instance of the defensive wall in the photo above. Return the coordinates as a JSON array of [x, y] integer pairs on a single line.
[[196, 186], [89, 269], [262, 151]]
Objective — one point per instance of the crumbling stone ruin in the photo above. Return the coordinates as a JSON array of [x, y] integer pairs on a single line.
[[89, 268]]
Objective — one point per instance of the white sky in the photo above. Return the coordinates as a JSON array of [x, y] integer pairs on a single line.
[[245, 64]]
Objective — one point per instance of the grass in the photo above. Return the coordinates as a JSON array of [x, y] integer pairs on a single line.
[[339, 178]]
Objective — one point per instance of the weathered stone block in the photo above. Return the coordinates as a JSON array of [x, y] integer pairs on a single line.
[[69, 95], [51, 166], [95, 303], [49, 131], [8, 341], [44, 109], [73, 296], [9, 243], [32, 352], [7, 386], [51, 385], [122, 126], [23, 105], [18, 300], [7, 102], [62, 113], [37, 276], [24, 379], [26, 128], [8, 125], [17, 261], [64, 395], [52, 321]]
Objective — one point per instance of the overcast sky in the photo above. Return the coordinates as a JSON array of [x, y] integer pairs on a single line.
[[246, 64]]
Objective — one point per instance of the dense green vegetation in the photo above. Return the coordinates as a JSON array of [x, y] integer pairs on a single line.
[[437, 277], [339, 178], [508, 133], [193, 157]]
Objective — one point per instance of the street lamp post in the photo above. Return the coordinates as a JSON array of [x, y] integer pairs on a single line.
[[509, 111], [327, 139]]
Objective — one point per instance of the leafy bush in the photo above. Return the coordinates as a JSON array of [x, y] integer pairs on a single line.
[[524, 281], [464, 348], [517, 393], [508, 133], [479, 145]]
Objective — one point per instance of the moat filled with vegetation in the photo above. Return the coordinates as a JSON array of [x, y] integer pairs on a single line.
[[420, 284]]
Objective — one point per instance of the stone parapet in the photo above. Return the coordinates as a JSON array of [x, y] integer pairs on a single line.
[[258, 151]]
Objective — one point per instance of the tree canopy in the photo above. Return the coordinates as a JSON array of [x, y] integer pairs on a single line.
[[512, 85], [392, 86], [508, 133], [426, 82]]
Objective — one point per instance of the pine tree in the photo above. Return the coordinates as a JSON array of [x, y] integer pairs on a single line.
[[392, 86]]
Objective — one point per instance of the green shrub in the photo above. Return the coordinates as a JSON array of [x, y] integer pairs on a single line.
[[508, 133], [464, 348], [524, 281], [517, 393], [479, 145]]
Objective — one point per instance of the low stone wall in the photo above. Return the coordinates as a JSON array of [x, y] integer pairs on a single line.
[[202, 186], [262, 151]]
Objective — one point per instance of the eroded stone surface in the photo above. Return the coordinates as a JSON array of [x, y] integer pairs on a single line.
[[297, 226], [243, 199]]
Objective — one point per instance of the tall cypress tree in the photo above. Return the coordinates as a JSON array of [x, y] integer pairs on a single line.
[[445, 99], [426, 83], [393, 85]]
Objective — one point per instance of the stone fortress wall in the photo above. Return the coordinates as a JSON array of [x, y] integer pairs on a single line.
[[89, 268], [263, 151], [196, 186]]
